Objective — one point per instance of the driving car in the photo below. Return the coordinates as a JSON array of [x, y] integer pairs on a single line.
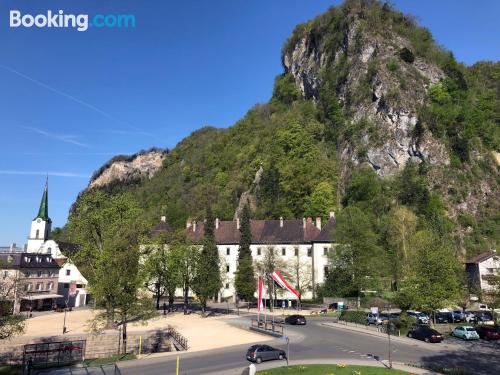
[[488, 332], [425, 333], [296, 320], [465, 332], [261, 353]]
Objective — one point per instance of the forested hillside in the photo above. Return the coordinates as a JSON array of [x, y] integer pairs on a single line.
[[371, 118]]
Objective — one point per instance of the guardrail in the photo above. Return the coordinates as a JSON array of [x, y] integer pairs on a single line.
[[181, 341]]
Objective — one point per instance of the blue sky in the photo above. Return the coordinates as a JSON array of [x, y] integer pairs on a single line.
[[71, 100]]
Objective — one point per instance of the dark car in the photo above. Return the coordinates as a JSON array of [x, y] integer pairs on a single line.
[[488, 332], [261, 353], [444, 317], [425, 333], [296, 319], [483, 316], [458, 316]]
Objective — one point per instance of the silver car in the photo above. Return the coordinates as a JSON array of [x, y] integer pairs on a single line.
[[376, 319]]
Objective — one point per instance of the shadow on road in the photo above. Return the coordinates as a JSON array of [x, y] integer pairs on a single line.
[[480, 364]]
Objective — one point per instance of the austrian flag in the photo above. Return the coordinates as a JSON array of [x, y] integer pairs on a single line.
[[282, 283]]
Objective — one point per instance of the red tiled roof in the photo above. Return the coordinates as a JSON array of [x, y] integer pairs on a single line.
[[263, 232], [326, 234], [481, 257]]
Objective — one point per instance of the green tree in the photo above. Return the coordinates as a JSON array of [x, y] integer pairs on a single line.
[[185, 256], [321, 201], [162, 275], [207, 282], [109, 231], [245, 276], [358, 254], [434, 272], [401, 226]]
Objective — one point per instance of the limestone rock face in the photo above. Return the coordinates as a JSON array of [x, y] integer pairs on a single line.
[[139, 165], [393, 91]]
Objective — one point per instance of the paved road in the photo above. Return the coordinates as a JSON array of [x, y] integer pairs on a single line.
[[317, 341]]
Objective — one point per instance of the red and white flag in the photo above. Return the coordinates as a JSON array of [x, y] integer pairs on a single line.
[[259, 299], [282, 283]]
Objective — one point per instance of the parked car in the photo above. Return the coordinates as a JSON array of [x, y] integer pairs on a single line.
[[296, 320], [261, 353], [444, 317], [483, 307], [458, 315], [377, 319], [465, 332], [488, 332], [470, 317], [420, 316], [425, 333], [484, 317]]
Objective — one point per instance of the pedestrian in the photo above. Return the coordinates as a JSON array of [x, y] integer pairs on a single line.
[[164, 308]]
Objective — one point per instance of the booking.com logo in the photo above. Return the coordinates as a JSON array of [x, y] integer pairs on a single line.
[[80, 22]]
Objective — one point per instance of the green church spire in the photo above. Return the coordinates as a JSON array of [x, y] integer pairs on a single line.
[[43, 212]]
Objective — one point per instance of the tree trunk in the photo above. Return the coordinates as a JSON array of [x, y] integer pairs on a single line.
[[186, 300], [125, 337], [158, 296], [170, 301]]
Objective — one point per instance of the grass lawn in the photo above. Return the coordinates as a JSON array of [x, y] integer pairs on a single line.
[[10, 370], [108, 360], [330, 370]]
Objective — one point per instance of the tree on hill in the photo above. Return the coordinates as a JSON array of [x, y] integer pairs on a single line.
[[321, 201], [207, 282], [245, 277]]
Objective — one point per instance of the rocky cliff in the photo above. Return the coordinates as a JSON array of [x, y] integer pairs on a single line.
[[383, 81], [127, 168]]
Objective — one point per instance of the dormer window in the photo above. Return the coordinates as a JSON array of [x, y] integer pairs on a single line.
[[48, 259]]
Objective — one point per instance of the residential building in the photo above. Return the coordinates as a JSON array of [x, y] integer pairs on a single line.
[[483, 271], [32, 280]]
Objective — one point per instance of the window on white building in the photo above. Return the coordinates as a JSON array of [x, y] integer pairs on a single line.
[[258, 251], [50, 285], [309, 252], [228, 251], [39, 273], [27, 274], [68, 272], [29, 287], [296, 251], [325, 251], [227, 285], [325, 270], [39, 286], [5, 274], [49, 250], [227, 268], [37, 233], [283, 251]]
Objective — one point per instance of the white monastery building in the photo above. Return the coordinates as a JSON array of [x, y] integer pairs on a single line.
[[301, 244]]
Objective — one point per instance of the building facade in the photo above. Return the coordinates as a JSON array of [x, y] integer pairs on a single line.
[[483, 271], [32, 280], [39, 242], [301, 248]]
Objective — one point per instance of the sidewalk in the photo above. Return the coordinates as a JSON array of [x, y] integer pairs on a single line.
[[326, 361]]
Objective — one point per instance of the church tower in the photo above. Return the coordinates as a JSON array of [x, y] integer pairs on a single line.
[[41, 224]]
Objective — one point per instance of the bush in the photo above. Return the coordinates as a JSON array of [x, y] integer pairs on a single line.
[[406, 55], [353, 316], [392, 65]]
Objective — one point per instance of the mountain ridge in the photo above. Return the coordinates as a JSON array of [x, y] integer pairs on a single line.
[[364, 90]]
